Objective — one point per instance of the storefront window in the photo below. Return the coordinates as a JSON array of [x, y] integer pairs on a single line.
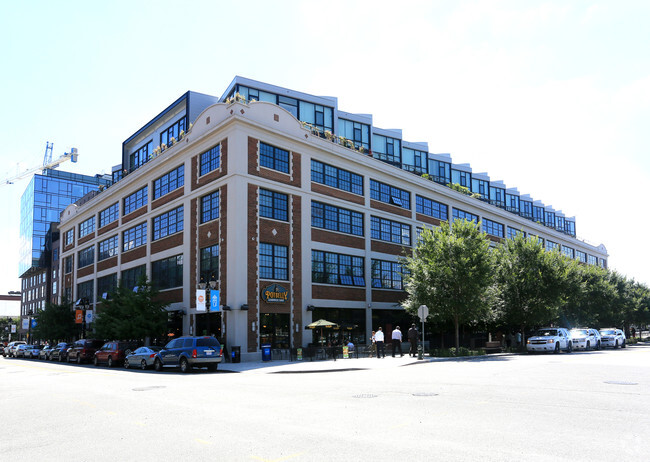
[[352, 325], [274, 330]]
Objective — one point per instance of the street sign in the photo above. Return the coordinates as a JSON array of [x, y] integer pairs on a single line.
[[90, 316], [423, 312]]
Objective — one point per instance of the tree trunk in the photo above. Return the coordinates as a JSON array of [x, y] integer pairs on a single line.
[[523, 337], [456, 328]]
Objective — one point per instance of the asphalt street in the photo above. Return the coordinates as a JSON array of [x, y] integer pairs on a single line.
[[582, 407]]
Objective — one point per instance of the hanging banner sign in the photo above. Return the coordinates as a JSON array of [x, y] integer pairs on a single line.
[[275, 293], [90, 316], [200, 300], [79, 316], [25, 322], [214, 300]]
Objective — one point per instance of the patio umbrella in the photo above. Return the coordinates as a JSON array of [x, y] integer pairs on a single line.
[[322, 324]]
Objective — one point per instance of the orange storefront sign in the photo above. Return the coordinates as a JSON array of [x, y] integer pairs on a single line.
[[79, 316]]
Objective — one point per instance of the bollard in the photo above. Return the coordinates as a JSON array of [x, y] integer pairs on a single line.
[[420, 352]]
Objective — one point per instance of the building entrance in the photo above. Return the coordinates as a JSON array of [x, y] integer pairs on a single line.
[[274, 330]]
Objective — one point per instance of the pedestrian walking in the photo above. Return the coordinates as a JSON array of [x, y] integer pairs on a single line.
[[379, 341], [396, 338], [373, 345], [413, 336]]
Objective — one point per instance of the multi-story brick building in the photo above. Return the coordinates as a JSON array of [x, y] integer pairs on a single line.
[[294, 211]]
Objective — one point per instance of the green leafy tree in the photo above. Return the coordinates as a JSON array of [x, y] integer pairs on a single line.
[[132, 314], [588, 298], [55, 322], [531, 282], [451, 272]]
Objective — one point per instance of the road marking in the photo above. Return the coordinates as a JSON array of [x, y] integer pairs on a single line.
[[85, 403], [141, 424], [399, 426], [111, 413], [203, 441], [291, 456]]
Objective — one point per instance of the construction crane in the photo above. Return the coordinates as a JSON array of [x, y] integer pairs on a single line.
[[48, 163]]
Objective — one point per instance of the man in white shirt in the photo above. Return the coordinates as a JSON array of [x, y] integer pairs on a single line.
[[397, 341], [379, 340]]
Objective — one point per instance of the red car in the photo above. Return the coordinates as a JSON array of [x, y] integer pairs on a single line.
[[112, 353]]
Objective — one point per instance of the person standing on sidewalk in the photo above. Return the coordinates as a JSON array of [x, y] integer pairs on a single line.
[[379, 341], [373, 345], [397, 341], [413, 340]]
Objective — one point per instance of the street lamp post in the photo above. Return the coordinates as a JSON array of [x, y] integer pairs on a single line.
[[29, 325]]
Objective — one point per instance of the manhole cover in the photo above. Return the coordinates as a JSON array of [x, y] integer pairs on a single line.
[[425, 394], [153, 387], [618, 382], [365, 396]]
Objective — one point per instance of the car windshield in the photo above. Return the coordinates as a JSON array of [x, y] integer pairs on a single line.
[[207, 342], [579, 332], [608, 332], [546, 333]]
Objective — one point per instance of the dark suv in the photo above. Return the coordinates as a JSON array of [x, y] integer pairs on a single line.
[[84, 350], [113, 353], [188, 352], [59, 352]]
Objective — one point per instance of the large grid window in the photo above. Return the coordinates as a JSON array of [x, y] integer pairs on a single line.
[[106, 285], [550, 245], [390, 194], [209, 263], [169, 182], [107, 248], [140, 157], [210, 160], [387, 149], [513, 232], [274, 262], [386, 274], [67, 264], [390, 231], [581, 256], [357, 132], [274, 158], [86, 256], [458, 214], [210, 207], [336, 219], [131, 276], [69, 237], [86, 290], [430, 208], [168, 223], [167, 273], [592, 260], [336, 177], [173, 131], [274, 205], [334, 268], [493, 228], [109, 214], [87, 227], [134, 237], [569, 252], [136, 200]]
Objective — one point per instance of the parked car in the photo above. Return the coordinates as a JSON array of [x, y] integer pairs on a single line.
[[188, 352], [143, 357], [19, 350], [113, 353], [32, 351], [612, 337], [585, 338], [550, 339], [59, 352], [44, 353], [83, 350], [9, 349]]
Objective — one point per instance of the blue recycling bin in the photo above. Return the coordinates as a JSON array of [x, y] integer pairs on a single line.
[[266, 352]]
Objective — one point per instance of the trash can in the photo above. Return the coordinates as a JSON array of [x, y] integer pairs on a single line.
[[266, 352], [235, 354]]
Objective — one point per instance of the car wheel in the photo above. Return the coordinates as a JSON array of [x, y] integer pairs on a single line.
[[569, 348], [157, 364], [78, 359], [185, 366], [126, 363], [616, 344], [588, 347], [623, 345], [598, 346], [110, 362], [213, 367], [60, 358], [557, 348], [143, 364], [95, 361]]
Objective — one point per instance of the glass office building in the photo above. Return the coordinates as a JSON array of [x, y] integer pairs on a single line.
[[41, 204]]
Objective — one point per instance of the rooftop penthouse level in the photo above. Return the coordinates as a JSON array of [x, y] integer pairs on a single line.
[[355, 131]]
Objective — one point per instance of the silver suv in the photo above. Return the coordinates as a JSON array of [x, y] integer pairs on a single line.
[[585, 338], [10, 350], [550, 339]]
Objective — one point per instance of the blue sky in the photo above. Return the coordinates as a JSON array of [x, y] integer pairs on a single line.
[[551, 97]]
